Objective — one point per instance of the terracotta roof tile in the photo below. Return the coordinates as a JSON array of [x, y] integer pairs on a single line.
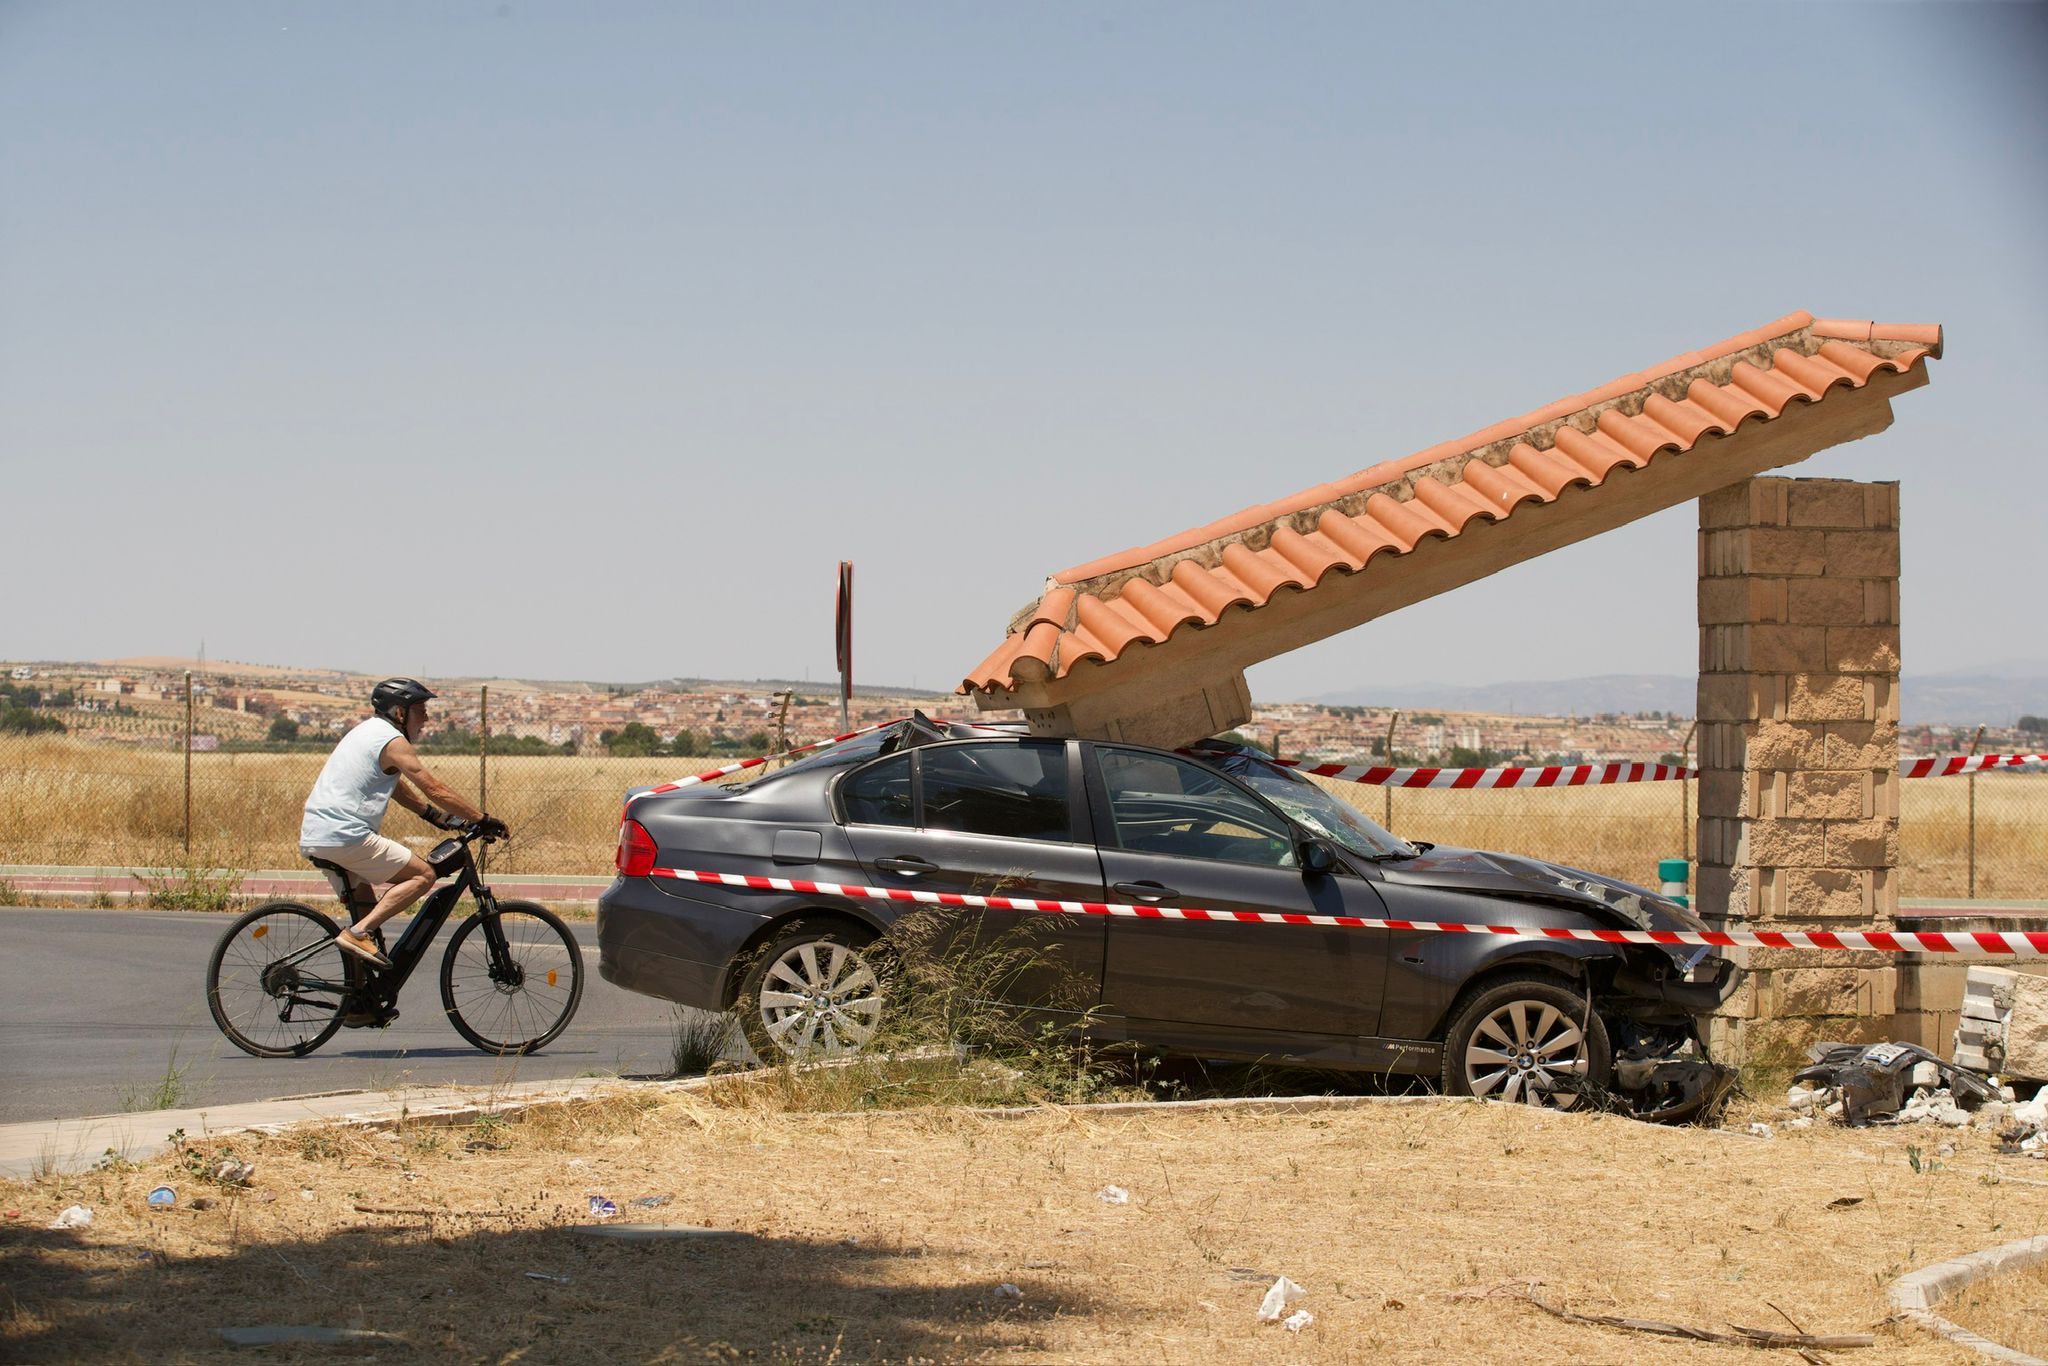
[[1186, 582]]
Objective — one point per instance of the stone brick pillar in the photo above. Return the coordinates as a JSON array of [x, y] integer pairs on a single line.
[[1799, 748]]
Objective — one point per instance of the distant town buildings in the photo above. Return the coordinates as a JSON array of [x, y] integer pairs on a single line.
[[239, 703]]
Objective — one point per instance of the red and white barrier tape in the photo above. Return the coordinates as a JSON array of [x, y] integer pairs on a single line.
[[1948, 768], [1555, 775], [1551, 775], [708, 775], [1588, 775], [1976, 941]]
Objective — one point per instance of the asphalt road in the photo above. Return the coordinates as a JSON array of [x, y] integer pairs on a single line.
[[98, 1008]]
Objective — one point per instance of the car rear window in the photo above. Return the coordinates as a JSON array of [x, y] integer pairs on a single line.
[[1015, 790]]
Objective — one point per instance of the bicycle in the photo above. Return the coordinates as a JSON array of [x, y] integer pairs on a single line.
[[512, 976]]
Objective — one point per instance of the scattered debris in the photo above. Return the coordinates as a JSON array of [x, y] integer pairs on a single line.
[[1279, 1296], [1297, 1321], [1761, 1131], [1008, 1291], [78, 1216], [163, 1197], [544, 1276], [1113, 1195], [653, 1201], [602, 1208], [233, 1173], [1903, 1084], [1871, 1081], [306, 1194]]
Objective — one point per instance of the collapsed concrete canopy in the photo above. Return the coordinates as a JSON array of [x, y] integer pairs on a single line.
[[1150, 645]]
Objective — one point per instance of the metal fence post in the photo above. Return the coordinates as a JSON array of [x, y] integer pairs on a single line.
[[1685, 795], [188, 765], [1387, 791], [483, 760], [1975, 741]]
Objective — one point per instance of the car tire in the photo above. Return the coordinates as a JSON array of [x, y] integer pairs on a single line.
[[813, 991], [1532, 1039]]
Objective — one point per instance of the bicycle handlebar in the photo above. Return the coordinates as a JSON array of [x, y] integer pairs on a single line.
[[490, 830]]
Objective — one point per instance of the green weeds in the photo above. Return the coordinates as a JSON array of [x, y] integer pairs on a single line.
[[168, 1092], [968, 1019], [699, 1040], [192, 887]]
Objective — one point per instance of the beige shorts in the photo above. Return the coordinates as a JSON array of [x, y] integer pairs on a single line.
[[376, 860]]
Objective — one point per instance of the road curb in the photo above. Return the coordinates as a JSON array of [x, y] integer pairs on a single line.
[[1916, 1294], [73, 1145]]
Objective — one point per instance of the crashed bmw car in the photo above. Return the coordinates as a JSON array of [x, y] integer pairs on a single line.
[[979, 808]]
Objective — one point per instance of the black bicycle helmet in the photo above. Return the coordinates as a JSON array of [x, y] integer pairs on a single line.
[[396, 694]]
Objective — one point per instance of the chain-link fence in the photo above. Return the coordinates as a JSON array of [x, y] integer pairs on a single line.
[[76, 803], [73, 803]]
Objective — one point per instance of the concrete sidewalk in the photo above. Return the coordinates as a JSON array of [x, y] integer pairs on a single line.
[[73, 1145], [83, 884]]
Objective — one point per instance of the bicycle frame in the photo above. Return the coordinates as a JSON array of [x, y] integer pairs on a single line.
[[380, 986]]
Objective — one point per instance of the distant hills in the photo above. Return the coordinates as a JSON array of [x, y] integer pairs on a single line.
[[1994, 695]]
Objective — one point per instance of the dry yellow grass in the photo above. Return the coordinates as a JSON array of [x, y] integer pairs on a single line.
[[63, 801], [884, 1237], [2010, 1310]]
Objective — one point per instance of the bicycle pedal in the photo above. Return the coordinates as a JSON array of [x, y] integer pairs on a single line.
[[369, 1019]]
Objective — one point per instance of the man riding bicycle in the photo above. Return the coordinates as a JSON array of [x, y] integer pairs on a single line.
[[341, 829]]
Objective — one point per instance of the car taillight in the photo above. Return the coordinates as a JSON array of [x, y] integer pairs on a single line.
[[636, 850]]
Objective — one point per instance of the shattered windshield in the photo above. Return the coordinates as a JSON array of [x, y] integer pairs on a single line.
[[905, 734], [1307, 805]]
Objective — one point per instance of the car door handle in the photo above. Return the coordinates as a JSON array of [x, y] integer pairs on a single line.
[[1145, 891], [909, 865]]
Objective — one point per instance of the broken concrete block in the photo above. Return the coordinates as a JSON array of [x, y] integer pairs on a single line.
[[2026, 1028]]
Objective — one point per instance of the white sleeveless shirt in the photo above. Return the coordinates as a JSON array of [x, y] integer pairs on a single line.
[[353, 791]]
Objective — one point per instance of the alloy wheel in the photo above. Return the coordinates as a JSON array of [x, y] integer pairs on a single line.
[[1527, 1051], [820, 999]]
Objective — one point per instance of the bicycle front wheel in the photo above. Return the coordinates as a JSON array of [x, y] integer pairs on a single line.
[[511, 979], [268, 999]]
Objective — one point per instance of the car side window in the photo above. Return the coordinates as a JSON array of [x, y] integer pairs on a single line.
[[879, 794], [1165, 805], [1014, 790]]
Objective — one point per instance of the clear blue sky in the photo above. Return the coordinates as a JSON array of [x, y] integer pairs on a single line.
[[584, 340]]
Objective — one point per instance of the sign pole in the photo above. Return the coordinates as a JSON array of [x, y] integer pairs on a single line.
[[842, 632]]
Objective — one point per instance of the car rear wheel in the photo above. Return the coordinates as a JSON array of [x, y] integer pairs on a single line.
[[814, 991], [1531, 1040]]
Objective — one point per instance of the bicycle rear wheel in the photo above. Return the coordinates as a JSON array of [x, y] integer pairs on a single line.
[[265, 1005], [518, 1001]]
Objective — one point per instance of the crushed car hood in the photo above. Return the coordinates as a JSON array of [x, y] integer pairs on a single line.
[[1510, 875]]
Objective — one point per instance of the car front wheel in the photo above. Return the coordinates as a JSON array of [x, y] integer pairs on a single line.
[[1533, 1040], [813, 992]]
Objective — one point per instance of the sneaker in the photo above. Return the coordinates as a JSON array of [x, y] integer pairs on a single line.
[[349, 942], [367, 1019]]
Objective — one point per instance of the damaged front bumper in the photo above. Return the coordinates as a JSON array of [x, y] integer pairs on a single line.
[[1661, 1068]]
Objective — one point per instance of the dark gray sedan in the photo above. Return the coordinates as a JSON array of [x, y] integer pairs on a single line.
[[955, 807]]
